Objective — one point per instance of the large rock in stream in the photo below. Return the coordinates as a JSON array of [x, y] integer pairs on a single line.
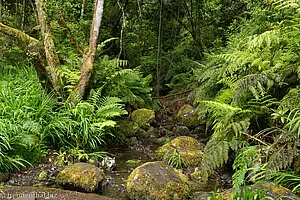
[[81, 177], [157, 181], [187, 147]]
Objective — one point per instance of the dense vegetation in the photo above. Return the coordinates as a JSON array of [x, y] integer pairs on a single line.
[[240, 60]]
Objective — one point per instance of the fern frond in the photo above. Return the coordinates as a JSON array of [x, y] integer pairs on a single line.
[[215, 155], [284, 152], [291, 100], [266, 39]]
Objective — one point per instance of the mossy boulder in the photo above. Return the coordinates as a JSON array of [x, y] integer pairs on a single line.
[[143, 117], [127, 128], [268, 189], [81, 177], [157, 181], [189, 149], [187, 116]]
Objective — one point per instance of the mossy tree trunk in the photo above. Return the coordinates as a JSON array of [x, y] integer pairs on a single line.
[[33, 48], [88, 64], [53, 64], [49, 75]]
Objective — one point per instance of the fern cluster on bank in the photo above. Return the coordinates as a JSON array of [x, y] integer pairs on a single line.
[[31, 120], [249, 93]]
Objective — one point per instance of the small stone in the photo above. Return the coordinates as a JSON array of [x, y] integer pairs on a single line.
[[43, 176], [181, 130]]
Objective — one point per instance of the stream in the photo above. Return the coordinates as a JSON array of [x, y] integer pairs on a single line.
[[114, 185]]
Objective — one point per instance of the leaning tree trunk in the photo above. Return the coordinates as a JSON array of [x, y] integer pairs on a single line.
[[88, 65], [33, 49], [53, 64]]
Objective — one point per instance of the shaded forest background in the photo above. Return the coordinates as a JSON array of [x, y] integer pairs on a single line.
[[238, 59]]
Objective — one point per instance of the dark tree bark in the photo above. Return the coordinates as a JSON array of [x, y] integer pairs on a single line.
[[53, 64]]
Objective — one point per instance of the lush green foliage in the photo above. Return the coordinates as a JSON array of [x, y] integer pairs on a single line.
[[252, 86], [31, 121]]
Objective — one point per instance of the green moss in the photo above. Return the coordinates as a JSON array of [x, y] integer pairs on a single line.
[[155, 180], [81, 175], [133, 163], [187, 116], [189, 149], [143, 117], [127, 128], [43, 176]]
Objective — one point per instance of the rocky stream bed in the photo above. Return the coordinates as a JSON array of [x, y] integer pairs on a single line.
[[138, 170]]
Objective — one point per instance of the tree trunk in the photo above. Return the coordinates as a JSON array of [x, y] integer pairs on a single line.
[[53, 64], [23, 14], [87, 67], [33, 48], [0, 11]]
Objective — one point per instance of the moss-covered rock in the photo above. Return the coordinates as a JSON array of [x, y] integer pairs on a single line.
[[189, 149], [81, 176], [143, 117], [127, 128], [268, 189], [43, 176], [157, 181], [187, 116], [133, 163], [141, 134]]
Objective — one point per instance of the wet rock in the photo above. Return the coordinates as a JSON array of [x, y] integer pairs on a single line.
[[157, 181], [201, 195], [143, 117], [189, 149], [153, 132], [108, 163], [142, 134], [270, 190], [181, 130], [4, 176], [187, 116], [81, 177], [162, 131], [127, 128], [43, 176]]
